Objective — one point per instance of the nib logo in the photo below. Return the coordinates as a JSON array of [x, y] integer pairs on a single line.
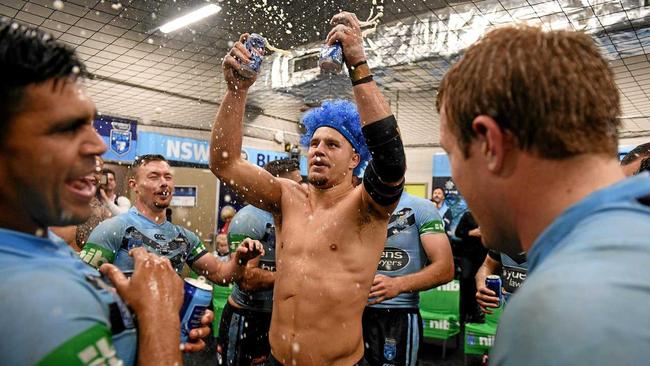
[[473, 340], [452, 286], [101, 353], [439, 324]]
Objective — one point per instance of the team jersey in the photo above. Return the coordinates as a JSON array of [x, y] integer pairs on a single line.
[[403, 252], [513, 271], [113, 238], [251, 222], [56, 309], [585, 299]]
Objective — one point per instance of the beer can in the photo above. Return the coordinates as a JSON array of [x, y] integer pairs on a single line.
[[331, 58], [493, 282], [255, 45], [198, 297]]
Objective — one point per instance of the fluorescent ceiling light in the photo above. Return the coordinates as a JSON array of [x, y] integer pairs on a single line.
[[190, 18]]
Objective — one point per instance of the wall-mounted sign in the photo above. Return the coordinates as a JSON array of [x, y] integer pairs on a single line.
[[193, 151], [184, 196], [120, 135]]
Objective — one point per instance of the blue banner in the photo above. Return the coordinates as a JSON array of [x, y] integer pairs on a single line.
[[174, 148], [120, 135], [193, 151]]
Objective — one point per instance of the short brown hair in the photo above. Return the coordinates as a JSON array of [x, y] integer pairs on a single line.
[[551, 89], [142, 160]]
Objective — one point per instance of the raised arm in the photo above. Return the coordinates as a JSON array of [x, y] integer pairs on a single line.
[[255, 184], [384, 177]]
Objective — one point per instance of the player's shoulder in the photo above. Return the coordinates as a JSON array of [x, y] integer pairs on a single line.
[[183, 230], [252, 213], [417, 204], [57, 288], [115, 222], [50, 307]]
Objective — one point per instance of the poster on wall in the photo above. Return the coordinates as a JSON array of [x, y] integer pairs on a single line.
[[184, 196], [120, 136]]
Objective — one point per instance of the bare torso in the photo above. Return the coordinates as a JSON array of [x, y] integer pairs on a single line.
[[326, 257]]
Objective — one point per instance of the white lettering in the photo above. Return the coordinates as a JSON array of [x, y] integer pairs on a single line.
[[173, 148], [201, 152], [452, 286], [392, 255], [439, 324], [486, 341], [186, 150]]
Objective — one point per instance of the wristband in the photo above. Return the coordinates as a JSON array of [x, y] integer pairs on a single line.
[[359, 71], [367, 79]]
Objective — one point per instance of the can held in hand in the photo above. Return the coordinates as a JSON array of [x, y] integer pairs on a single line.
[[331, 58], [255, 45], [493, 282], [198, 297]]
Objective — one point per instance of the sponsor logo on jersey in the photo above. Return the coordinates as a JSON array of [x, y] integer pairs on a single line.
[[100, 353], [393, 259], [513, 278], [400, 221]]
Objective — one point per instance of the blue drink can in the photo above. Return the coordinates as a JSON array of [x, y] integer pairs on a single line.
[[331, 58], [198, 296], [493, 282], [255, 45]]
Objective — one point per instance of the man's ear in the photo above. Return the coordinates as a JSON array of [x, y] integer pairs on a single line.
[[493, 141], [356, 160], [132, 184]]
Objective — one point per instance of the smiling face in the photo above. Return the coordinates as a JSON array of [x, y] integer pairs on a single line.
[[153, 185], [331, 158], [48, 156]]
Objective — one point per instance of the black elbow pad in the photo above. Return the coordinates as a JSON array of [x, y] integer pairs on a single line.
[[385, 145], [381, 192]]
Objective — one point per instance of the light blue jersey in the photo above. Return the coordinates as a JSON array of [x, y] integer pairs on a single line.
[[585, 301], [113, 238], [251, 222], [403, 252], [513, 272], [56, 310]]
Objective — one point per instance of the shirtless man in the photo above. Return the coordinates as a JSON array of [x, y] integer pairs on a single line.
[[330, 234]]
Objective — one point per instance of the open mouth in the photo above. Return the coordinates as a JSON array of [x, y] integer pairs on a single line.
[[318, 162], [82, 187], [163, 194]]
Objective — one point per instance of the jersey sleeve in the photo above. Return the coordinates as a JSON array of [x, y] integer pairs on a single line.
[[197, 248], [103, 243], [247, 223], [428, 218], [55, 320]]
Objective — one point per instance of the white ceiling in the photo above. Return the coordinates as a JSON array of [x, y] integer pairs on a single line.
[[175, 79]]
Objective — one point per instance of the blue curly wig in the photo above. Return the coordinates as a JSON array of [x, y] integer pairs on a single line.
[[342, 116]]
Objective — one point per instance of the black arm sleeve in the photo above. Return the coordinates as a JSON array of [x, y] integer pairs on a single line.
[[388, 162]]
